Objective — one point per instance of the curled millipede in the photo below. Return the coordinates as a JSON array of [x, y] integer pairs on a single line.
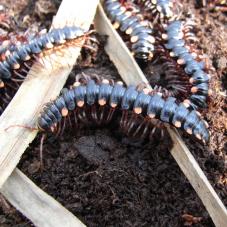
[[193, 66], [168, 77], [139, 31], [37, 47], [177, 81], [101, 102]]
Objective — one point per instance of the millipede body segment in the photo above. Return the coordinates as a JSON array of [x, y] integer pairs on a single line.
[[16, 59], [193, 67], [100, 102], [140, 33], [36, 46]]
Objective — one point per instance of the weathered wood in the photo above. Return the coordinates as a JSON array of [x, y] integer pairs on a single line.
[[35, 204], [39, 88], [121, 57], [198, 180]]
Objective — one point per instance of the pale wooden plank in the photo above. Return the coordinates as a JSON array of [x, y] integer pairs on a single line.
[[35, 204], [180, 152], [198, 180], [39, 88]]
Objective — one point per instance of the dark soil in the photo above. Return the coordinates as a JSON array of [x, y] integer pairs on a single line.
[[107, 179]]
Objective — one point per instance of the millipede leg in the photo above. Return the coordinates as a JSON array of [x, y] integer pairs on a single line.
[[75, 120], [138, 128], [59, 129], [63, 126], [110, 115], [19, 75], [94, 114], [123, 121], [41, 151], [69, 121], [145, 130], [101, 112]]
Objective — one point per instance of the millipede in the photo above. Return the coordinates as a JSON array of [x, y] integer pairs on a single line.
[[194, 67], [16, 59], [167, 77], [101, 101], [162, 8], [140, 32], [8, 44], [37, 47]]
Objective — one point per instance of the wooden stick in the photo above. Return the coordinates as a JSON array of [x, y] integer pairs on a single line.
[[198, 180], [180, 152], [35, 204], [39, 88]]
